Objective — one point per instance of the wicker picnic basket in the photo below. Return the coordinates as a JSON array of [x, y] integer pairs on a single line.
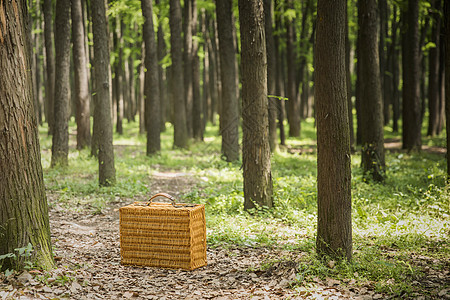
[[167, 235]]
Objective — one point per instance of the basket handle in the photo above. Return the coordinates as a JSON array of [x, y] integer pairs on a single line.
[[171, 198]]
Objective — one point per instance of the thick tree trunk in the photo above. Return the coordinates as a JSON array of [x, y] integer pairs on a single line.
[[23, 203], [257, 175], [433, 73], [271, 70], [411, 75], [372, 151], [50, 64], [180, 130], [83, 113], [229, 113], [103, 128], [334, 230], [60, 140], [151, 81], [293, 103]]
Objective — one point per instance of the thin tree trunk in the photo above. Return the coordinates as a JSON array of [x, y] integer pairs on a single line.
[[411, 75], [180, 130], [271, 65], [187, 60], [279, 83], [257, 175], [395, 74], [141, 97], [334, 230], [372, 151], [447, 78], [349, 85], [229, 114], [161, 48], [103, 128], [383, 20], [119, 77], [293, 104], [23, 205], [50, 63], [151, 81], [433, 73], [81, 79], [197, 101], [60, 140]]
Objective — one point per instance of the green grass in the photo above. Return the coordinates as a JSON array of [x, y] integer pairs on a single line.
[[407, 216]]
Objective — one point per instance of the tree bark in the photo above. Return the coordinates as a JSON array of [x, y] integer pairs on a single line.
[[257, 175], [447, 78], [23, 203], [103, 128], [293, 103], [349, 84], [383, 25], [433, 73], [60, 140], [372, 151], [151, 81], [83, 113], [187, 60], [161, 49], [197, 109], [334, 230], [180, 130], [411, 112], [50, 64], [118, 79], [229, 113], [271, 70], [279, 83]]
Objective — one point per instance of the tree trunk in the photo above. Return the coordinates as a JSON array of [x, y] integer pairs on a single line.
[[187, 60], [197, 100], [180, 130], [293, 103], [395, 74], [212, 62], [206, 62], [411, 75], [50, 64], [118, 79], [271, 65], [23, 203], [151, 81], [229, 113], [279, 83], [81, 79], [60, 141], [161, 48], [141, 100], [383, 19], [372, 151], [334, 230], [447, 79], [103, 128], [349, 85], [257, 175], [433, 73]]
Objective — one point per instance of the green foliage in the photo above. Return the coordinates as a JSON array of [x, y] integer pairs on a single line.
[[21, 259]]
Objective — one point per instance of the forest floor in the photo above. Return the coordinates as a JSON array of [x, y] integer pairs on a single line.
[[87, 253]]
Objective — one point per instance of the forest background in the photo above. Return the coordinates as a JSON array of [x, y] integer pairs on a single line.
[[400, 208]]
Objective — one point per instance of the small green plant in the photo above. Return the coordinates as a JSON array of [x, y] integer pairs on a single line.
[[20, 260]]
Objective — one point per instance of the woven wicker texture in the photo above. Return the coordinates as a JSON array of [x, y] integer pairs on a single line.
[[163, 235]]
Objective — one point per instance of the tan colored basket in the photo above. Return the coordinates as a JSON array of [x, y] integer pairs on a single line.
[[167, 235]]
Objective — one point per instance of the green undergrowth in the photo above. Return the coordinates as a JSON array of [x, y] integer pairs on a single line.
[[399, 226]]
